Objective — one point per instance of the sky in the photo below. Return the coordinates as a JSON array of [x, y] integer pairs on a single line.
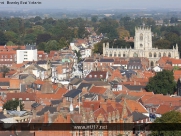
[[94, 4]]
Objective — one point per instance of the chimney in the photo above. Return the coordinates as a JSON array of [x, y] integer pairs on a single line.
[[46, 117], [64, 101], [34, 113], [84, 90], [18, 108], [5, 112], [104, 106], [68, 118]]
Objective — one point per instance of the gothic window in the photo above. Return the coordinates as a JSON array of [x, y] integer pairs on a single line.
[[164, 54], [154, 54], [141, 45], [115, 54], [124, 55], [135, 55], [160, 54], [110, 55], [150, 54], [141, 37], [119, 55], [152, 64], [106, 54], [169, 54]]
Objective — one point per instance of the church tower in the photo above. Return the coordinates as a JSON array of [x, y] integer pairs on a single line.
[[143, 38]]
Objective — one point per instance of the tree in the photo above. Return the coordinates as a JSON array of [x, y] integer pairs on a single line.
[[162, 44], [13, 104], [170, 128], [3, 38], [51, 45], [5, 70], [162, 83], [78, 55], [94, 18], [123, 33], [43, 38]]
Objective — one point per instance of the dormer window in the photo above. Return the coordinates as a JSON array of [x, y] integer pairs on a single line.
[[101, 76], [95, 75], [20, 98], [90, 76]]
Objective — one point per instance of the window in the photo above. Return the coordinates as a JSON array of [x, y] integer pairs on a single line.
[[20, 98], [40, 55], [27, 99], [25, 55], [141, 37], [25, 51]]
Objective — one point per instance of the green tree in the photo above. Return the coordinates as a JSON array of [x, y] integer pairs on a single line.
[[10, 43], [13, 104], [162, 83], [3, 38], [51, 45], [169, 129], [78, 55], [42, 38], [162, 44], [94, 18], [4, 69]]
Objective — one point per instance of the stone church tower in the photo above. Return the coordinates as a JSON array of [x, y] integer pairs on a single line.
[[142, 48], [143, 38]]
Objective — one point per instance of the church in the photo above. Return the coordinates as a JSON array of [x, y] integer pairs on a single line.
[[142, 48]]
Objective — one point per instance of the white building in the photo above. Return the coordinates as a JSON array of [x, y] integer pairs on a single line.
[[29, 54]]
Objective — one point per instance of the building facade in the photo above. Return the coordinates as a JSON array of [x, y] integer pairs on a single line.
[[142, 48], [29, 54]]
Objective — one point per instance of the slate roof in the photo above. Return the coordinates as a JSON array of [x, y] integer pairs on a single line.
[[75, 81], [89, 60], [41, 62], [138, 116], [119, 97], [55, 102], [34, 105], [30, 47], [47, 108], [72, 93], [4, 84], [2, 115], [82, 85], [135, 87], [106, 60]]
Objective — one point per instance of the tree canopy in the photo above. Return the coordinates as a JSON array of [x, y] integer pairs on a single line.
[[162, 83], [4, 70], [13, 104], [167, 124]]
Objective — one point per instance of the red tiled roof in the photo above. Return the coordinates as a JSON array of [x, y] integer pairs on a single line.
[[98, 90], [97, 74], [135, 106], [24, 96], [164, 108]]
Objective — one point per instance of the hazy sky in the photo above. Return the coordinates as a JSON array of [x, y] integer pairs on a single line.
[[95, 4]]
